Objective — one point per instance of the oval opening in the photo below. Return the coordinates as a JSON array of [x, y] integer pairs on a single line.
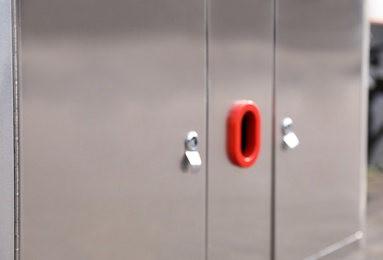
[[248, 134]]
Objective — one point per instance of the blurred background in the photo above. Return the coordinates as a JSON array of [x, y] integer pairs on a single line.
[[375, 133]]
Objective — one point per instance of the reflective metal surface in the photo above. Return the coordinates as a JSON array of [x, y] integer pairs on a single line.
[[240, 68], [318, 84], [109, 89], [338, 248], [290, 139], [6, 134]]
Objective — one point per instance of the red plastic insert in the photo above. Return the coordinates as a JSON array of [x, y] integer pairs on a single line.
[[244, 133]]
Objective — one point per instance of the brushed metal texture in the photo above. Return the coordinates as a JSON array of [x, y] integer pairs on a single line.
[[319, 86], [240, 68], [109, 90]]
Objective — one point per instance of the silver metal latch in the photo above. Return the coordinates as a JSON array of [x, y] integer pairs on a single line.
[[191, 150], [289, 137]]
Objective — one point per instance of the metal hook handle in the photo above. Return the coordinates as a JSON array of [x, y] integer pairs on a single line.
[[290, 139], [191, 150]]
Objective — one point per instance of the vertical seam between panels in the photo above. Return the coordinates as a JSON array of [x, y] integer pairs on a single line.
[[206, 8], [273, 144], [15, 71]]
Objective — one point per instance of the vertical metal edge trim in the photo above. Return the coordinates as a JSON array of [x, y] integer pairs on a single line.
[[364, 117], [273, 141], [207, 97], [15, 59], [7, 156]]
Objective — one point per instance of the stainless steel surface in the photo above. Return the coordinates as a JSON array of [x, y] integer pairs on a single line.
[[6, 133], [319, 85], [109, 90], [240, 68], [290, 139], [194, 159], [337, 246]]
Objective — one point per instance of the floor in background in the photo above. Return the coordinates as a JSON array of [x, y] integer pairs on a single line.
[[374, 232]]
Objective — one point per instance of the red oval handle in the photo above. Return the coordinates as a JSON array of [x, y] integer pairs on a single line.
[[244, 133]]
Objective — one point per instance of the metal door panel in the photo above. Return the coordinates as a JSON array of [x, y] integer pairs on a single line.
[[6, 134], [240, 67], [109, 90], [318, 85]]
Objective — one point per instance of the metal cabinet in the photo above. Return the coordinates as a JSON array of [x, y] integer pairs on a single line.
[[319, 184], [109, 91]]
